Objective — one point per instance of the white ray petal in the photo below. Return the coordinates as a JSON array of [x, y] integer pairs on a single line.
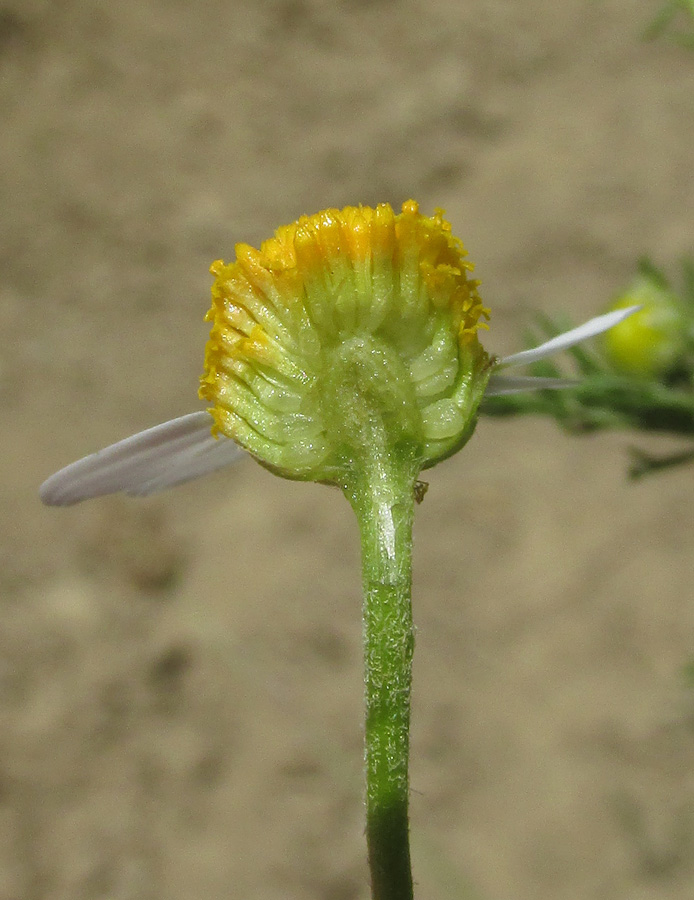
[[154, 459], [499, 385], [569, 338]]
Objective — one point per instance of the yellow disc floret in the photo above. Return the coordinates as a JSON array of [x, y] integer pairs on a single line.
[[282, 315]]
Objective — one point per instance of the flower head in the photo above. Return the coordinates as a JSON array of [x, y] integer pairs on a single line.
[[337, 288], [347, 328]]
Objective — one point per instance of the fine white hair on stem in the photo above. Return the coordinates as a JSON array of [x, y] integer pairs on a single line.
[[589, 329], [160, 457]]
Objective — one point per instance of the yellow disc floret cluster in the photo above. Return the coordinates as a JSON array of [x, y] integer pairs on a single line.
[[280, 314]]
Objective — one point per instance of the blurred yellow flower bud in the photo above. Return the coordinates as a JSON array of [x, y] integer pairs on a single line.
[[651, 342]]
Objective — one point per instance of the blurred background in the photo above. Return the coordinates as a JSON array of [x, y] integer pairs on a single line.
[[180, 677]]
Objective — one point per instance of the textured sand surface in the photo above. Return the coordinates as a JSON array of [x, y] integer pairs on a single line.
[[180, 677]]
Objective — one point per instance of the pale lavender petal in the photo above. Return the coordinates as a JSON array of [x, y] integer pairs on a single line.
[[159, 457], [569, 338]]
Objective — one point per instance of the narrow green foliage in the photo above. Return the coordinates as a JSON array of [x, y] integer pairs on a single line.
[[668, 22], [644, 463], [606, 397]]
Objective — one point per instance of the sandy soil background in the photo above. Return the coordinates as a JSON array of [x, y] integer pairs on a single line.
[[180, 677]]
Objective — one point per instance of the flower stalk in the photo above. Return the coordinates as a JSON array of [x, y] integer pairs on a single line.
[[383, 500], [378, 428]]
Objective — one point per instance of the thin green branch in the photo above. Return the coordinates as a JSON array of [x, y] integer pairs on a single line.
[[606, 397]]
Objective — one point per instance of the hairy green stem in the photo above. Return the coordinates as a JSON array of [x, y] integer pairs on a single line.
[[383, 499], [374, 420]]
